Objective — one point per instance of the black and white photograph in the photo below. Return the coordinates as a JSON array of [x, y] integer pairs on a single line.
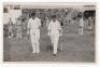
[[49, 32]]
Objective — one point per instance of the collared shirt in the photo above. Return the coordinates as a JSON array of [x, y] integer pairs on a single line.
[[34, 24], [54, 26]]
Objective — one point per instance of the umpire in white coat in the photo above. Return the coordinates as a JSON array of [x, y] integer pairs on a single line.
[[33, 27], [54, 29]]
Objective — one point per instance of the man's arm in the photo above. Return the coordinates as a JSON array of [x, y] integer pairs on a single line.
[[28, 27], [59, 26], [60, 29], [49, 26], [39, 23]]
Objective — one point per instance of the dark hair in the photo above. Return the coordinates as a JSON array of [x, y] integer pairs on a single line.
[[53, 16], [32, 14]]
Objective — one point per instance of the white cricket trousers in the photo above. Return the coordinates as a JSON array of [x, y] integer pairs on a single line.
[[54, 41], [35, 36]]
